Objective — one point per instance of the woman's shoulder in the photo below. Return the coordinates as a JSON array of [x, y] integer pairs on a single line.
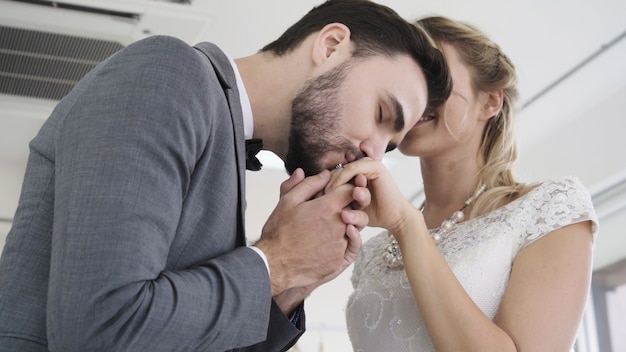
[[555, 203], [524, 194], [534, 188], [569, 189]]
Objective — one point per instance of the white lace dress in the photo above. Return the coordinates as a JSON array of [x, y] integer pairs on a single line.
[[381, 313]]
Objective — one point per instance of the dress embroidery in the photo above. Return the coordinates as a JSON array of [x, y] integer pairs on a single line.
[[381, 313]]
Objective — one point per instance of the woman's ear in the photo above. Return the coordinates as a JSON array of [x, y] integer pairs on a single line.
[[331, 43], [493, 104]]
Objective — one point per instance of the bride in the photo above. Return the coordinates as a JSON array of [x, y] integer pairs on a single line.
[[486, 263]]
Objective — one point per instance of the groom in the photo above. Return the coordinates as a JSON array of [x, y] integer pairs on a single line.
[[129, 234]]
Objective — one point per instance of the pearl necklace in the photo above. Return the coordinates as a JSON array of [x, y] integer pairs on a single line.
[[392, 256]]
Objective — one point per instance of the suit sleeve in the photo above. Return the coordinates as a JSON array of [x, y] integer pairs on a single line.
[[282, 333], [125, 151]]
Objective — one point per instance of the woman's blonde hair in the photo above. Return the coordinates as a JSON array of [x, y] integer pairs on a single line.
[[491, 71]]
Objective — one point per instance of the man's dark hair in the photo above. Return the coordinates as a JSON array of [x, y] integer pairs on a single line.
[[375, 30]]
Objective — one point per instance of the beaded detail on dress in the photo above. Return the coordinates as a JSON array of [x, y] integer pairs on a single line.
[[381, 313]]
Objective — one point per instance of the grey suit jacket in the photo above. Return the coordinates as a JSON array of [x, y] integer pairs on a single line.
[[129, 234]]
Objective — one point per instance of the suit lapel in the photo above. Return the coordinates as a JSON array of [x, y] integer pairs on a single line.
[[226, 76]]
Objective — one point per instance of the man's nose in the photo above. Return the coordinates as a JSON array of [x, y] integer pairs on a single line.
[[374, 149]]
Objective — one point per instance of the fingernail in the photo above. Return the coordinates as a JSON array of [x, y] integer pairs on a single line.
[[324, 174]]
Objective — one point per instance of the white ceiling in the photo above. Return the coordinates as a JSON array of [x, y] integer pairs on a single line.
[[571, 59]]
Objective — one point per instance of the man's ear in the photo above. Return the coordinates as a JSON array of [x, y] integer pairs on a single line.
[[493, 104], [331, 43]]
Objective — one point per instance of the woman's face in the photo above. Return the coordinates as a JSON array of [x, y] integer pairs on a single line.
[[453, 125]]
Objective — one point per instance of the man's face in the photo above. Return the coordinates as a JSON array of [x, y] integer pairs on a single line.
[[362, 107]]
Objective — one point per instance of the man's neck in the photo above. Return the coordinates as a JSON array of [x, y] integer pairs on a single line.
[[272, 82]]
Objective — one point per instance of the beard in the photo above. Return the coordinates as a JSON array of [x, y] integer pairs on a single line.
[[315, 123]]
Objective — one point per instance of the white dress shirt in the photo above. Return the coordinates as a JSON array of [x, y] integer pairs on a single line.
[[248, 129]]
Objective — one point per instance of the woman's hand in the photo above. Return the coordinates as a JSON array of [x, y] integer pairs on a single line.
[[388, 207]]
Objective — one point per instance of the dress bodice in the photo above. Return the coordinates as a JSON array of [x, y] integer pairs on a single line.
[[382, 314]]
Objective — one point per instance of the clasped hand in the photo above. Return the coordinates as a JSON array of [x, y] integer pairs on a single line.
[[312, 236], [388, 207], [314, 233]]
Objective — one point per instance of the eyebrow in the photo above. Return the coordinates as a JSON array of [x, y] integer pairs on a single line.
[[399, 113]]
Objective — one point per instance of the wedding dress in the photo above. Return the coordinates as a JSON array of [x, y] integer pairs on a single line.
[[381, 313]]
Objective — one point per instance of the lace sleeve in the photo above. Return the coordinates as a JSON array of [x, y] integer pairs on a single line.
[[556, 204]]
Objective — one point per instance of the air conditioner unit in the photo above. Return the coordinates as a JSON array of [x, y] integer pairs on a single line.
[[46, 47]]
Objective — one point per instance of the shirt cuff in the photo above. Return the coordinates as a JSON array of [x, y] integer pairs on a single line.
[[298, 317], [262, 255]]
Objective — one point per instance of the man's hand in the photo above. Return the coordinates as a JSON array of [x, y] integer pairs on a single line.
[[290, 298], [361, 195], [311, 237]]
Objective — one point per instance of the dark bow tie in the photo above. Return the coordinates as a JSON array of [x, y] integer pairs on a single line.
[[253, 146]]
